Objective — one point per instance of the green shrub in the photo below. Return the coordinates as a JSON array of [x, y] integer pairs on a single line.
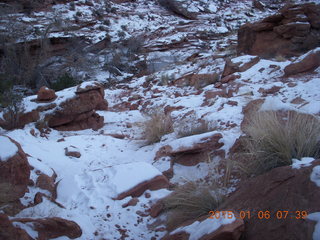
[[189, 202], [275, 138], [64, 81]]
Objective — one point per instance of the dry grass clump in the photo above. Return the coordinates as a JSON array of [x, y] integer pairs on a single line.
[[277, 137], [158, 125], [188, 202]]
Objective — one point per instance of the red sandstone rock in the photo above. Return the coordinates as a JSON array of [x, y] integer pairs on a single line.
[[77, 113], [229, 78], [47, 183], [233, 66], [10, 232], [156, 209], [46, 94], [190, 155], [132, 202], [281, 189], [231, 231], [155, 183], [202, 80], [14, 176], [55, 227], [308, 63], [291, 32]]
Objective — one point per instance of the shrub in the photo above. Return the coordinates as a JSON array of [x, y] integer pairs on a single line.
[[190, 201], [276, 137], [64, 81], [11, 101], [157, 126]]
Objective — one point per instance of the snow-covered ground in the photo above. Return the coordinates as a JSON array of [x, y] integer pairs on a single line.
[[108, 165]]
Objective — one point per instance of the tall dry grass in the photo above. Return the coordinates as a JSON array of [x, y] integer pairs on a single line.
[[157, 125], [190, 201], [275, 138]]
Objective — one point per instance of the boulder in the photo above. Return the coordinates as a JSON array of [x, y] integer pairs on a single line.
[[18, 120], [14, 171], [73, 113], [156, 183], [47, 183], [54, 227], [291, 32], [307, 62], [45, 94], [202, 80], [78, 112], [239, 64], [189, 154], [279, 190], [9, 231], [209, 229]]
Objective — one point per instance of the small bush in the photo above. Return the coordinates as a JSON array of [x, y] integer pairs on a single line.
[[157, 126], [274, 139], [11, 101], [64, 81], [189, 202]]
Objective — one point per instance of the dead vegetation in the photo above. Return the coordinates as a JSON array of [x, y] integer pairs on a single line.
[[189, 202], [158, 125], [275, 138]]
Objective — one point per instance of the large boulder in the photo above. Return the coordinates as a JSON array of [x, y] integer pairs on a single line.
[[71, 111], [139, 177], [14, 171], [189, 151], [307, 62], [9, 231], [291, 32], [78, 112], [204, 228], [46, 94], [54, 227], [287, 194]]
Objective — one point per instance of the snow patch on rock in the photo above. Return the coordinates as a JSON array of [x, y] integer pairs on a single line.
[[199, 229], [315, 217], [304, 162], [315, 176], [7, 149]]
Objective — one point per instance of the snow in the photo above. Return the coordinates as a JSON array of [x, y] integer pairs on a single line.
[[109, 166], [200, 229], [304, 162], [315, 217], [126, 176], [212, 7], [315, 175], [274, 104], [189, 141], [7, 148], [28, 228]]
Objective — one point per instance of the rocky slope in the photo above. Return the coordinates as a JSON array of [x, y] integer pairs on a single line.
[[79, 163]]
